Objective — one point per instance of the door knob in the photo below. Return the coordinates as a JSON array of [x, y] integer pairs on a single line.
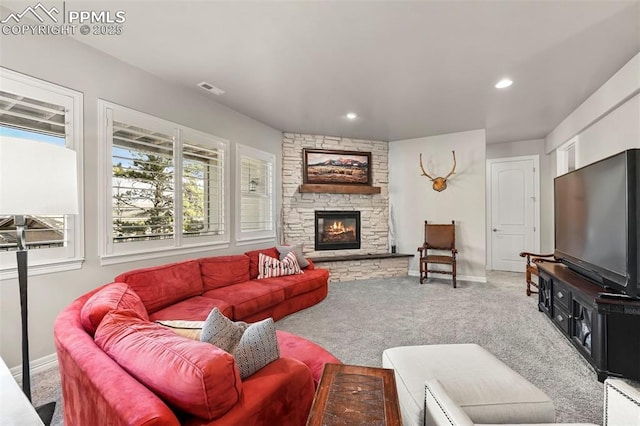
[[495, 229]]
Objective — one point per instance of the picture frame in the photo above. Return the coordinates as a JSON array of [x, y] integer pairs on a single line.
[[336, 167]]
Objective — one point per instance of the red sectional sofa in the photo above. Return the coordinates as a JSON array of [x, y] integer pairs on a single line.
[[119, 367]]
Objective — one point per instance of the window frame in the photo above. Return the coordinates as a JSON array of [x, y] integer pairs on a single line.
[[112, 253], [71, 255], [263, 236], [563, 156]]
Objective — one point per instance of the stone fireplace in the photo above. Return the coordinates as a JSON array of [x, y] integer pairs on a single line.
[[299, 222], [337, 230]]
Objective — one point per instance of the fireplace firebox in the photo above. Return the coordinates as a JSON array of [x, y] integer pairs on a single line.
[[337, 230]]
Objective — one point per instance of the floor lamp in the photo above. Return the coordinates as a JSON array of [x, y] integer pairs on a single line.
[[36, 178]]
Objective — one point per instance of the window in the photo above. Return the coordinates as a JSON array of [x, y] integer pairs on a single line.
[[566, 157], [255, 199], [41, 111], [167, 186]]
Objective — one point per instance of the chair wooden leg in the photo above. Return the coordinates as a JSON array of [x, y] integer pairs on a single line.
[[454, 275], [421, 272]]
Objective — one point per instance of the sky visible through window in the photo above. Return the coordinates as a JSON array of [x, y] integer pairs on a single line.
[[25, 134]]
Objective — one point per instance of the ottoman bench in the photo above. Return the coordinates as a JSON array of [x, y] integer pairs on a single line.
[[486, 389]]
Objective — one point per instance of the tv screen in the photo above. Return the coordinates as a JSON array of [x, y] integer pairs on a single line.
[[595, 217]]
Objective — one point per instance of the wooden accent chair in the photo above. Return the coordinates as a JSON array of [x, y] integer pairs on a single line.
[[532, 268], [438, 237]]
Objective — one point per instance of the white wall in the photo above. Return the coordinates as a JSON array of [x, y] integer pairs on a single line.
[[69, 63], [546, 173], [414, 200], [616, 91], [617, 131], [606, 123]]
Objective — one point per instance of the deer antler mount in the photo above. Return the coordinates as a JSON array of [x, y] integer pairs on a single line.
[[439, 183]]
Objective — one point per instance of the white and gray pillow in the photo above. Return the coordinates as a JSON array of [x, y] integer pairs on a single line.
[[297, 250], [252, 345]]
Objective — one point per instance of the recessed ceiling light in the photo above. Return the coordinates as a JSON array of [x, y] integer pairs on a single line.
[[352, 115], [211, 88], [505, 82]]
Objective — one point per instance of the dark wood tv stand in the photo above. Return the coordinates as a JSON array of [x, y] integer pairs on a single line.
[[604, 330]]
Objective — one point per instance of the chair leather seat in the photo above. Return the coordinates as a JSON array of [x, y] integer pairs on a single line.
[[437, 259]]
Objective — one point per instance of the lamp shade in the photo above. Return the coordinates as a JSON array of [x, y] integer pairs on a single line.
[[37, 178]]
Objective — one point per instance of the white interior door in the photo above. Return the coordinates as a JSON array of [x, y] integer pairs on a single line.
[[514, 194]]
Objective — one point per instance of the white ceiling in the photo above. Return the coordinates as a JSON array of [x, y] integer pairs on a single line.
[[409, 69]]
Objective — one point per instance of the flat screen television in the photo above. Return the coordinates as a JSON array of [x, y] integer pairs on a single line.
[[597, 209]]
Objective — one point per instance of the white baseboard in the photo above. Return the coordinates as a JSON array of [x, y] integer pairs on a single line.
[[41, 364], [450, 278]]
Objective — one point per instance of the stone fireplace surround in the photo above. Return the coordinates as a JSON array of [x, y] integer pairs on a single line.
[[298, 209]]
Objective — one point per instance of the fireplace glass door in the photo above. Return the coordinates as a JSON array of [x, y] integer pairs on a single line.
[[337, 230]]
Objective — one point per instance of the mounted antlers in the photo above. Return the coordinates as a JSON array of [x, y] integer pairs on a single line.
[[439, 183]]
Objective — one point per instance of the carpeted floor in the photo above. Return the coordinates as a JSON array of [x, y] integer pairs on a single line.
[[359, 319]]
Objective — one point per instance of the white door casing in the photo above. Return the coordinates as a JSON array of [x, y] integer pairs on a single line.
[[513, 219]]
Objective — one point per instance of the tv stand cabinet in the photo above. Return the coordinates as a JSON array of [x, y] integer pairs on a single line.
[[604, 330]]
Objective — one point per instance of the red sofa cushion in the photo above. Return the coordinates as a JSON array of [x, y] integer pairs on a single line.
[[193, 376], [161, 286], [222, 271], [294, 285], [192, 309], [248, 298], [280, 394], [111, 297], [313, 355], [254, 258]]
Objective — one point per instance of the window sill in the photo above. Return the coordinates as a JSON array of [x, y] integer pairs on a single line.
[[257, 240], [114, 259], [43, 268]]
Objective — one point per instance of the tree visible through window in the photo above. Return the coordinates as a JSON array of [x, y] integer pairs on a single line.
[[167, 183], [143, 176]]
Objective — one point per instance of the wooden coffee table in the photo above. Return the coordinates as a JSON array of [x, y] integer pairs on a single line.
[[353, 395]]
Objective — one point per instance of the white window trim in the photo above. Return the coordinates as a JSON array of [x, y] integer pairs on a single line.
[[144, 250], [253, 237], [71, 256], [562, 156]]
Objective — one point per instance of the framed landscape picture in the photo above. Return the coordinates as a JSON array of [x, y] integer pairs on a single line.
[[336, 167]]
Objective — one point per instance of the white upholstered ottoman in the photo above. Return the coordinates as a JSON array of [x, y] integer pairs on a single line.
[[486, 389]]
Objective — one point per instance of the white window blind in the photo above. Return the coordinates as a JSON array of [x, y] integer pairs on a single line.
[[40, 111], [166, 186], [202, 190], [256, 214], [255, 194], [32, 115]]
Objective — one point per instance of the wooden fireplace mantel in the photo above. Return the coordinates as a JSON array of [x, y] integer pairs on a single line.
[[339, 189]]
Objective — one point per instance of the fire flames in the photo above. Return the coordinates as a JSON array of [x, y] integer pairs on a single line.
[[337, 228]]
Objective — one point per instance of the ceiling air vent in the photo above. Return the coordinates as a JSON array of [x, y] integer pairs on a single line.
[[211, 88]]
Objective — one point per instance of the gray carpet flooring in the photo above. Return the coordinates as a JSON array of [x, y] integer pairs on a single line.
[[359, 319]]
